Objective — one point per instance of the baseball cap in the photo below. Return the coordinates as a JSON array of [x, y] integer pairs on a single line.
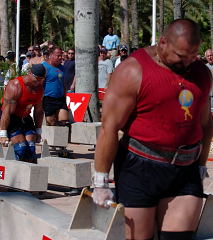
[[36, 47], [103, 50], [11, 55], [23, 55], [123, 47], [38, 70], [29, 54]]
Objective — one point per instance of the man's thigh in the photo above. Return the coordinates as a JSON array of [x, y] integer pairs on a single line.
[[63, 115], [52, 120], [179, 214], [140, 223]]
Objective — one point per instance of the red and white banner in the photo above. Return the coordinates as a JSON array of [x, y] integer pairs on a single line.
[[46, 238], [78, 103], [2, 172]]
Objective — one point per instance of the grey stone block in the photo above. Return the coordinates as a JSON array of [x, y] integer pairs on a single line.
[[10, 154], [24, 217], [205, 228], [23, 175], [55, 135], [85, 133], [74, 173]]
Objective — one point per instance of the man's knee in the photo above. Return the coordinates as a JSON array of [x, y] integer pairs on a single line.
[[20, 150], [187, 235]]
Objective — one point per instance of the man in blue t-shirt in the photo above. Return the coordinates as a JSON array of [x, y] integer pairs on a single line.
[[69, 71], [111, 42], [54, 100]]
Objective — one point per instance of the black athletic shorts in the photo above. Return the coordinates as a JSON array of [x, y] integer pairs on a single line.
[[52, 105], [19, 125], [141, 182]]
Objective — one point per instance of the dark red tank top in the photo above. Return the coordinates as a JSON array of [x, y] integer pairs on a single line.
[[27, 100], [168, 109]]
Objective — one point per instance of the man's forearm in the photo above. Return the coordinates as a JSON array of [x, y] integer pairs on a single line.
[[106, 150], [38, 117], [5, 121], [207, 138]]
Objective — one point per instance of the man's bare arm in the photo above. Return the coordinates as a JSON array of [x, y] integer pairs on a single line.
[[38, 115], [11, 95], [207, 125], [119, 102]]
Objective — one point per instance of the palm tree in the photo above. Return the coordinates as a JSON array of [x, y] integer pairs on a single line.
[[86, 42], [4, 27], [49, 12], [177, 4], [161, 13], [124, 22], [134, 18], [211, 21], [106, 17]]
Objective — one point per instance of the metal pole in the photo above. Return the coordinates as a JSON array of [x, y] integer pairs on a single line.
[[153, 22], [17, 30]]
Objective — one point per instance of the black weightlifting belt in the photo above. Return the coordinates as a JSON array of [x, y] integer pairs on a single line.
[[183, 156]]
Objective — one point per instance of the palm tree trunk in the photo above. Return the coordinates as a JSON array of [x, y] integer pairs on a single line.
[[86, 61], [177, 4], [134, 18], [124, 22], [211, 21], [161, 8], [4, 27]]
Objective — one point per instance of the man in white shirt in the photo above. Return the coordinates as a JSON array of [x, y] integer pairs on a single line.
[[105, 69]]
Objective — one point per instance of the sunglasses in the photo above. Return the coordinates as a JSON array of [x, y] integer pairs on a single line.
[[71, 53]]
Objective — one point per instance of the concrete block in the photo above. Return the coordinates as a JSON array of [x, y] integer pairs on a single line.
[[205, 227], [55, 135], [45, 152], [109, 223], [1, 152], [23, 175], [85, 133], [74, 173], [10, 154], [30, 219]]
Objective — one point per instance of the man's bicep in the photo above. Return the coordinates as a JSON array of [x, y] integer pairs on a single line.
[[11, 95], [206, 113], [120, 98], [116, 111]]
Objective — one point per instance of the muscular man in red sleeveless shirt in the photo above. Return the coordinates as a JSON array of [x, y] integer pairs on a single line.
[[159, 98], [21, 94]]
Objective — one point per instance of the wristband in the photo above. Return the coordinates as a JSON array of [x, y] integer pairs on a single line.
[[100, 179], [38, 131], [203, 172], [3, 133]]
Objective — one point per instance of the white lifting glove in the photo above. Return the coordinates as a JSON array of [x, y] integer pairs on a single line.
[[102, 195], [203, 172]]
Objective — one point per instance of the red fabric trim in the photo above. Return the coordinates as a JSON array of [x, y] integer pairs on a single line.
[[142, 154]]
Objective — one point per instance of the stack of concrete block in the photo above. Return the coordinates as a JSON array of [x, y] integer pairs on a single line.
[[85, 133], [75, 173], [55, 135], [23, 175]]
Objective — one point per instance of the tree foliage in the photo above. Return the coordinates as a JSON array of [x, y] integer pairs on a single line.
[[54, 20]]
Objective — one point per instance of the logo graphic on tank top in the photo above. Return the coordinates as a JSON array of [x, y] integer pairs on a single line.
[[186, 99]]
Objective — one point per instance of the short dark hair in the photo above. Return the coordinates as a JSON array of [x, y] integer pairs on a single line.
[[185, 27], [52, 50]]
